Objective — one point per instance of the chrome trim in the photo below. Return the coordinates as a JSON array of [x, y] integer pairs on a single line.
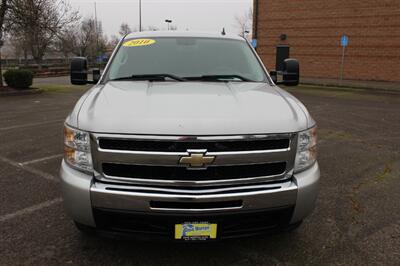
[[196, 210], [285, 195], [178, 183], [192, 138], [205, 190], [172, 158], [187, 198], [155, 158]]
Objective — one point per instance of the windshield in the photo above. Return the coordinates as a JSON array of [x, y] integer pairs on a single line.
[[186, 58]]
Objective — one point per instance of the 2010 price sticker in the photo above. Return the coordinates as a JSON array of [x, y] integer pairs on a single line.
[[139, 42]]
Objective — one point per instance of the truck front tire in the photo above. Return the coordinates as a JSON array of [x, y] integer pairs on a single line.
[[292, 227], [85, 229]]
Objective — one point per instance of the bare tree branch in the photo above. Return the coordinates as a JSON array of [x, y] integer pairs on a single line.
[[3, 10], [124, 29], [244, 23], [40, 22]]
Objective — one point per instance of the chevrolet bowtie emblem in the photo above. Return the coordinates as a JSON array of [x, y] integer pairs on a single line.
[[197, 160]]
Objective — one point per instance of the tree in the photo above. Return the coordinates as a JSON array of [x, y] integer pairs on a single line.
[[113, 42], [124, 29], [244, 23], [91, 42], [86, 37], [4, 6], [67, 42], [40, 22], [152, 28], [19, 46]]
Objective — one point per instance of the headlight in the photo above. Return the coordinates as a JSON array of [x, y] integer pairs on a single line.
[[306, 149], [77, 149]]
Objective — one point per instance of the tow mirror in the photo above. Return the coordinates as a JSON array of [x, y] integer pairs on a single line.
[[290, 73], [79, 72]]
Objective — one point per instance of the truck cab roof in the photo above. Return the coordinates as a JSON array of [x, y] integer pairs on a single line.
[[154, 34]]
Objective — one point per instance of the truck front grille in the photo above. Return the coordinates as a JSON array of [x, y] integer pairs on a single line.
[[182, 173], [155, 160]]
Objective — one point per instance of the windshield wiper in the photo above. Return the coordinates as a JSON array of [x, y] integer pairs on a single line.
[[218, 78], [150, 77]]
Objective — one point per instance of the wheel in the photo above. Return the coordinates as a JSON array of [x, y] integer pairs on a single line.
[[85, 229], [292, 227]]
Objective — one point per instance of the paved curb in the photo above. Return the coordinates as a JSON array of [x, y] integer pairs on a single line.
[[388, 86], [20, 92], [367, 90]]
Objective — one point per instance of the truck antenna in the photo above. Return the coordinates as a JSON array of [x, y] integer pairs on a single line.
[[223, 31]]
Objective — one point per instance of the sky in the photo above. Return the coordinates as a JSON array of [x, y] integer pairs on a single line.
[[193, 15]]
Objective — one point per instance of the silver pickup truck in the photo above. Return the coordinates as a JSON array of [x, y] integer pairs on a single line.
[[188, 137]]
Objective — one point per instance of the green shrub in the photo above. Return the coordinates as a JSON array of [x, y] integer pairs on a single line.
[[18, 79]]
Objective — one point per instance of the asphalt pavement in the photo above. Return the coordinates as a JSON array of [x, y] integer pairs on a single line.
[[356, 220]]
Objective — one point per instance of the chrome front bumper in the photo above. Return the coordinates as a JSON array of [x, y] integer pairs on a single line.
[[268, 197], [81, 195]]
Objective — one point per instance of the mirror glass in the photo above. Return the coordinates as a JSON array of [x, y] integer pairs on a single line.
[[79, 71]]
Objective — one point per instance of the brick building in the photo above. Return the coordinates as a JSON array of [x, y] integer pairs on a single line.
[[313, 29]]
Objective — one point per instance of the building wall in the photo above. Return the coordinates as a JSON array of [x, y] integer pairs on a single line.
[[314, 29]]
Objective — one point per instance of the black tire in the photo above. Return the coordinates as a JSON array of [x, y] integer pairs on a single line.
[[85, 229], [292, 227]]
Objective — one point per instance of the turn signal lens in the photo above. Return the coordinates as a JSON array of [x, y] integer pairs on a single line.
[[77, 149]]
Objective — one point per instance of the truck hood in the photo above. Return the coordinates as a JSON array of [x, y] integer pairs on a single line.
[[189, 108]]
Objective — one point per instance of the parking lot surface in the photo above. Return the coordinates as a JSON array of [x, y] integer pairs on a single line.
[[356, 220]]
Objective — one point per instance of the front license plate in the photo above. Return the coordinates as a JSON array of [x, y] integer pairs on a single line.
[[196, 231]]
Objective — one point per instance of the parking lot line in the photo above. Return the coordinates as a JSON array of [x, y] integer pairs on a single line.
[[42, 159], [30, 169], [31, 124], [31, 209]]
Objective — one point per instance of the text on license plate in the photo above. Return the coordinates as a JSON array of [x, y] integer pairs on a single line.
[[196, 231]]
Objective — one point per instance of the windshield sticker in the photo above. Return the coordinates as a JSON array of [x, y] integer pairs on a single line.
[[139, 42]]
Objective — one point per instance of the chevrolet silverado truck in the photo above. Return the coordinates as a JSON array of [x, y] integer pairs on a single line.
[[188, 137]]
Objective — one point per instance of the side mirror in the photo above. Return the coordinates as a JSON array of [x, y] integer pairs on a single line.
[[79, 71], [291, 72]]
